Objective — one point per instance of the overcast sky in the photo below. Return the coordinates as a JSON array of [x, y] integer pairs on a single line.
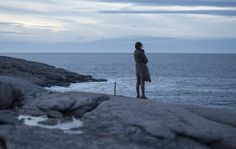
[[205, 26]]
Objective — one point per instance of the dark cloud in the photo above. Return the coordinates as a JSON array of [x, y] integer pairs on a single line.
[[190, 3], [42, 12], [9, 23], [210, 12], [19, 26], [11, 32], [124, 45], [19, 10], [222, 3]]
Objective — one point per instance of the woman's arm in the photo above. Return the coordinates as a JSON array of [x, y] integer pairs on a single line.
[[144, 58]]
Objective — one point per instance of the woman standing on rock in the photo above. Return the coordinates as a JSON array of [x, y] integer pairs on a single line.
[[142, 72]]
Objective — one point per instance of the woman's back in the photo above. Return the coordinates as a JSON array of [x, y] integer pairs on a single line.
[[139, 56]]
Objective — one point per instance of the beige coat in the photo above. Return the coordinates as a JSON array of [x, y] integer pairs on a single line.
[[141, 60]]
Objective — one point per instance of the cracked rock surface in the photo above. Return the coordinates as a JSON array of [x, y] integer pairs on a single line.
[[121, 117], [72, 103]]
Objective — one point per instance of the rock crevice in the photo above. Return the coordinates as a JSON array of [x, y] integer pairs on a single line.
[[69, 104], [2, 143]]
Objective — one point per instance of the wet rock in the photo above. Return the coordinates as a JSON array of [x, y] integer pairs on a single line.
[[49, 122], [39, 73]]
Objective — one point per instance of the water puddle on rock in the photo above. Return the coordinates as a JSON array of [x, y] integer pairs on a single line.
[[70, 127]]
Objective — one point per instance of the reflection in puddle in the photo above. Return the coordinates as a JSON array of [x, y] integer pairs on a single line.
[[70, 127]]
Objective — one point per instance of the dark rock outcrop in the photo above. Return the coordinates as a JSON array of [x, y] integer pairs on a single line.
[[26, 87], [9, 95], [15, 92], [68, 104], [8, 117], [39, 73], [2, 144]]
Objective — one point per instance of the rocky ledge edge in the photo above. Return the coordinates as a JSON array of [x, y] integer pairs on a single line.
[[108, 121], [41, 74]]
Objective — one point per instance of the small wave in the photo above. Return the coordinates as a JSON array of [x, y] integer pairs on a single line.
[[124, 88]]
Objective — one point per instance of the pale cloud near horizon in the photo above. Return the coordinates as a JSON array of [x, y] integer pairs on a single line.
[[88, 20]]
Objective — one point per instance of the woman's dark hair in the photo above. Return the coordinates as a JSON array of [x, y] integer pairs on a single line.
[[138, 45]]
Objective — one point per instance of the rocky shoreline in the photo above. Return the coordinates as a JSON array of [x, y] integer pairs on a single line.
[[41, 74], [107, 121]]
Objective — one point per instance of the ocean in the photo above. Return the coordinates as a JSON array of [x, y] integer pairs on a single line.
[[191, 79]]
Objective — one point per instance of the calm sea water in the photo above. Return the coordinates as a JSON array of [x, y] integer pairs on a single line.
[[193, 79]]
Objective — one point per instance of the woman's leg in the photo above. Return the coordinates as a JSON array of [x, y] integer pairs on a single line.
[[143, 88], [137, 90], [137, 86]]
